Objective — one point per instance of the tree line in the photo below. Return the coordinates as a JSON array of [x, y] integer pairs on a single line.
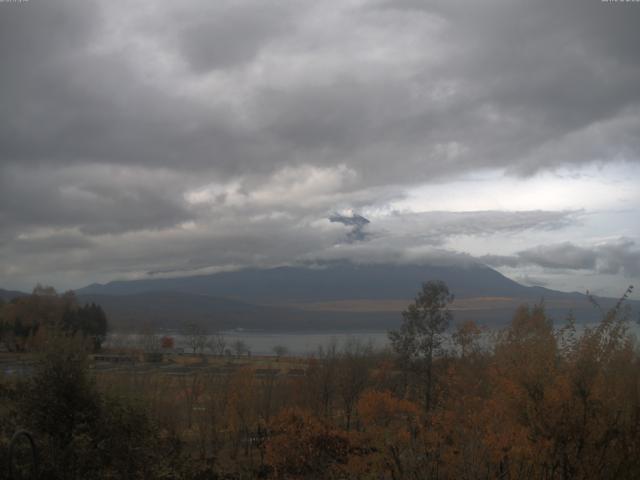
[[26, 321], [529, 401]]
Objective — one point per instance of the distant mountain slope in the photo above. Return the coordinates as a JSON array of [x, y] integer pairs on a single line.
[[342, 281], [170, 309], [7, 295], [339, 296], [173, 309]]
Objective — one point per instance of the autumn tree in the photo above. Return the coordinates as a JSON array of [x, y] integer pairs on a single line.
[[191, 388], [601, 416], [352, 374], [420, 336], [302, 446], [387, 446], [216, 401], [25, 320], [466, 337], [320, 386], [167, 342], [241, 408]]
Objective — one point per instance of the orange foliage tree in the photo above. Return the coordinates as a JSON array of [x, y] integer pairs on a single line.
[[302, 446]]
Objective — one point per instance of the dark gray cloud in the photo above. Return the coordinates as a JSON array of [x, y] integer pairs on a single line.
[[622, 256], [617, 257], [219, 38], [221, 127], [538, 78], [93, 199], [357, 223], [487, 85], [435, 228], [565, 255]]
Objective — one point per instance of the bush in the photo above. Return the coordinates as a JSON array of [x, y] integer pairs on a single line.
[[83, 434]]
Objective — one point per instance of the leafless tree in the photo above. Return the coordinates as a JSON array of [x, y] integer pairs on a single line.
[[217, 343], [280, 351], [353, 374], [148, 340], [196, 337], [240, 347]]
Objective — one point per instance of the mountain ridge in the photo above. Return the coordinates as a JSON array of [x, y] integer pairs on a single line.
[[331, 282], [335, 296]]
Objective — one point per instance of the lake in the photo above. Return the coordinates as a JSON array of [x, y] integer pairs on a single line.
[[296, 343]]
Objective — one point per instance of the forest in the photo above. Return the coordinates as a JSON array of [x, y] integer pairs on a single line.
[[540, 398]]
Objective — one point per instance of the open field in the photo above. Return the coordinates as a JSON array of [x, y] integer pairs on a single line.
[[17, 365]]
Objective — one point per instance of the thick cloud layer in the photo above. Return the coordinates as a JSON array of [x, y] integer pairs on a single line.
[[192, 136], [622, 256]]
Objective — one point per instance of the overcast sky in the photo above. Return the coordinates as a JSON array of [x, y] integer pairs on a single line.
[[159, 138]]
